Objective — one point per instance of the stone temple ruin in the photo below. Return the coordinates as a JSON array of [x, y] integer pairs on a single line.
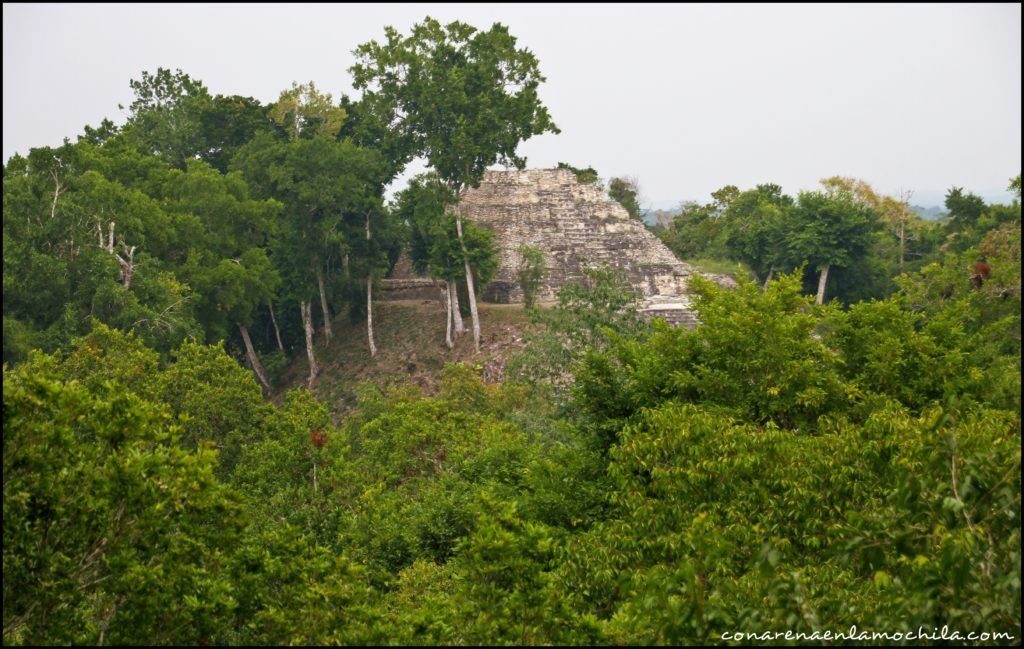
[[573, 224]]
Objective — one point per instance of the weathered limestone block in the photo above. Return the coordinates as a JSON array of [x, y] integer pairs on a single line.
[[576, 226]]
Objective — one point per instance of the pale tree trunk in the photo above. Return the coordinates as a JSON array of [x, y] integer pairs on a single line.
[[254, 360], [469, 283], [822, 281], [903, 242], [460, 326], [472, 307], [307, 322], [767, 280], [448, 320], [277, 332], [127, 263], [369, 315], [57, 189], [904, 198], [369, 298], [323, 305]]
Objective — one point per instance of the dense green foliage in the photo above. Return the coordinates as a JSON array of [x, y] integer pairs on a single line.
[[587, 176], [433, 236], [120, 522], [782, 466], [626, 192], [175, 248], [866, 239], [590, 312]]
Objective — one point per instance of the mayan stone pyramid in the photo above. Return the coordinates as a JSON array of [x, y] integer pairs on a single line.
[[575, 224]]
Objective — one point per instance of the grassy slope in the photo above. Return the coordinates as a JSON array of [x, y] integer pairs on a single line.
[[410, 349], [721, 266]]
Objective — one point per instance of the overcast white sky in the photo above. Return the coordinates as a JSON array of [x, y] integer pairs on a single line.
[[685, 97]]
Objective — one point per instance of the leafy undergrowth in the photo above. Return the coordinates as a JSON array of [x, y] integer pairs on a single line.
[[410, 350]]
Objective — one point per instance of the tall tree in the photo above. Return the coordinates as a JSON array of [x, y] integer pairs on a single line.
[[828, 229], [303, 111], [166, 117], [434, 244], [327, 187], [754, 219], [462, 98], [899, 219], [372, 233], [227, 123], [964, 208], [627, 192]]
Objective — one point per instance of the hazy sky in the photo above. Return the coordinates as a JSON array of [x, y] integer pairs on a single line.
[[686, 98]]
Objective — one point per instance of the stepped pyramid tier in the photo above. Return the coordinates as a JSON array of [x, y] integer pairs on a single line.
[[575, 225]]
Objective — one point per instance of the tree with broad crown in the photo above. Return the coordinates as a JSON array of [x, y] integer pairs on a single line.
[[753, 220], [166, 116], [462, 98], [626, 191], [826, 229], [964, 208]]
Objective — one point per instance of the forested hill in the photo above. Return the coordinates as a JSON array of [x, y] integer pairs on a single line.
[[217, 433], [410, 352]]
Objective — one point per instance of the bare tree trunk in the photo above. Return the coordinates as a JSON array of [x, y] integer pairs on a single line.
[[905, 197], [469, 283], [767, 280], [460, 326], [277, 332], [307, 322], [822, 281], [127, 263], [369, 315], [369, 298], [472, 307], [903, 242], [254, 360], [448, 320], [323, 305], [57, 189]]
